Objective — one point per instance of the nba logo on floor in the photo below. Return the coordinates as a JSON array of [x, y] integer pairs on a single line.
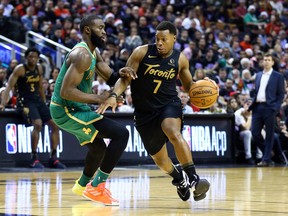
[[11, 138]]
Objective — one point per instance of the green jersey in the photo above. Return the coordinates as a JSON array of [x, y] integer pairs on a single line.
[[85, 85], [74, 117]]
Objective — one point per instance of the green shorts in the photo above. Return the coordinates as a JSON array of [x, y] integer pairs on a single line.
[[78, 122]]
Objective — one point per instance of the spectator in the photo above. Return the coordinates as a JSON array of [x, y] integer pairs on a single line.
[[221, 41], [133, 40], [232, 105], [27, 19], [185, 100], [8, 8], [243, 119], [4, 22], [49, 12], [250, 20], [22, 7], [54, 74], [57, 36], [128, 103], [60, 11], [73, 39], [3, 77], [143, 30], [122, 59], [245, 44], [13, 63]]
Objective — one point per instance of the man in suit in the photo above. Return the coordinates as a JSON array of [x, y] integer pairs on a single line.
[[269, 94]]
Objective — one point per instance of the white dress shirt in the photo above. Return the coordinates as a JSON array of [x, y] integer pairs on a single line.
[[261, 96]]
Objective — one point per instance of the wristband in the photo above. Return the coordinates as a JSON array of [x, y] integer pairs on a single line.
[[113, 94]]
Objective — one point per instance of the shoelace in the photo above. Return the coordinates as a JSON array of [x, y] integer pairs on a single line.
[[102, 190], [184, 183]]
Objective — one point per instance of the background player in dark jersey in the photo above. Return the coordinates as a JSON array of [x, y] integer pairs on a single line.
[[158, 110], [69, 109], [27, 80]]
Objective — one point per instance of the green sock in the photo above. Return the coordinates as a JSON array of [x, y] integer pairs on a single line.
[[84, 180], [99, 178]]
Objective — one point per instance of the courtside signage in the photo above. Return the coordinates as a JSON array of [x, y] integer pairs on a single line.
[[18, 139]]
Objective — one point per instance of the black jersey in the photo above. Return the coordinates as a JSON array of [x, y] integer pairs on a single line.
[[27, 87], [156, 82]]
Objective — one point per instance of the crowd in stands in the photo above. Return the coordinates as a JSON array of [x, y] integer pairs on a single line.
[[223, 40]]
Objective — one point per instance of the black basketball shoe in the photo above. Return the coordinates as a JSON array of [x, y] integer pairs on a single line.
[[183, 186], [201, 186]]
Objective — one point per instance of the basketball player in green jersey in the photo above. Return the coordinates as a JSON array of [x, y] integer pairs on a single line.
[[158, 110], [27, 80], [69, 109]]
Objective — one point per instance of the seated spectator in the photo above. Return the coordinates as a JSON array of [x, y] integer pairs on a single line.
[[185, 100], [238, 82], [60, 11], [27, 19], [248, 83], [221, 41], [133, 40], [122, 59], [243, 119], [3, 77], [13, 63], [73, 39], [251, 22], [21, 8], [54, 74], [199, 74], [232, 105], [226, 92], [221, 77], [101, 85], [246, 42], [209, 60], [127, 106]]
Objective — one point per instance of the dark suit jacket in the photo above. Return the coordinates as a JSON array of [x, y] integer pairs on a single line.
[[275, 90]]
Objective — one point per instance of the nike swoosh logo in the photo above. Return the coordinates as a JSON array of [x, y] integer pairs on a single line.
[[149, 56]]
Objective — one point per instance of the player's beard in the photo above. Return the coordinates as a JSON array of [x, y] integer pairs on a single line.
[[96, 40]]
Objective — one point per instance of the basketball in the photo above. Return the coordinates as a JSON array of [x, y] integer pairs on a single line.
[[203, 94]]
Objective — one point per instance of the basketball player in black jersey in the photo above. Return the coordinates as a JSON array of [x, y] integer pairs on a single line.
[[158, 110], [27, 80]]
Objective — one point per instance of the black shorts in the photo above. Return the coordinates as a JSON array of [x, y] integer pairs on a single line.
[[35, 110], [151, 131]]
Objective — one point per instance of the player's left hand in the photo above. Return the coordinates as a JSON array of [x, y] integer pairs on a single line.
[[127, 72], [110, 102]]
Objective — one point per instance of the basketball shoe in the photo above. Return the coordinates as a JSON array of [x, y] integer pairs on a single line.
[[77, 188], [99, 194], [36, 164], [183, 186], [200, 187], [55, 163]]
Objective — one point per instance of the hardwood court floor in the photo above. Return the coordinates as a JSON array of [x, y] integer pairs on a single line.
[[146, 191]]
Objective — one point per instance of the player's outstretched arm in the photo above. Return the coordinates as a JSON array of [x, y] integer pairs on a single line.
[[122, 83]]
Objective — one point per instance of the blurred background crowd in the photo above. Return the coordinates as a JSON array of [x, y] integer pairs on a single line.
[[222, 39]]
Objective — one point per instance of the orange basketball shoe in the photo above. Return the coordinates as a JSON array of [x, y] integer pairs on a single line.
[[99, 194]]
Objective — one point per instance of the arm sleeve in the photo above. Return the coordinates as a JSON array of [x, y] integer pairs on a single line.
[[113, 79]]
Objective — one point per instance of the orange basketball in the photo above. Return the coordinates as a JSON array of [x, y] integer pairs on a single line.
[[203, 94]]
